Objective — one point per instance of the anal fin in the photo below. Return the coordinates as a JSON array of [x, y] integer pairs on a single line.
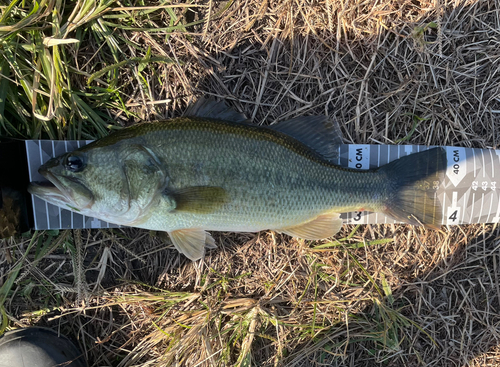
[[191, 242], [323, 226]]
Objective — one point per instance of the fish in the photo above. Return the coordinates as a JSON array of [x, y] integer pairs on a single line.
[[212, 170]]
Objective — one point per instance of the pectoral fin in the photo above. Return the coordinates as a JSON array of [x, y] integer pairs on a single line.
[[191, 242], [198, 199], [323, 226]]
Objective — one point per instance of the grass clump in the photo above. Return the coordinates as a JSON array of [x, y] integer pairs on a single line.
[[38, 95], [52, 51]]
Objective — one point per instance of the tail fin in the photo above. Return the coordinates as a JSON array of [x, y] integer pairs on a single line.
[[413, 180]]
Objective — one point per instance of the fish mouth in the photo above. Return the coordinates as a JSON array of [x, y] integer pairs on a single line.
[[48, 192], [56, 192]]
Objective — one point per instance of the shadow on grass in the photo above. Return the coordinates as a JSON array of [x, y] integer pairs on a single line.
[[425, 298], [445, 316]]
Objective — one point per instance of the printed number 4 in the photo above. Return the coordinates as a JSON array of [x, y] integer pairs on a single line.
[[453, 215]]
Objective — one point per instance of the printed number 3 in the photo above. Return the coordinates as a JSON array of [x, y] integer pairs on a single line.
[[358, 216]]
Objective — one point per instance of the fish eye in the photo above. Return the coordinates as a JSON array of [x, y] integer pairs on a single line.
[[74, 163]]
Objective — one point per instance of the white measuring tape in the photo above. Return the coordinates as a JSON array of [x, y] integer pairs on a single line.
[[467, 195]]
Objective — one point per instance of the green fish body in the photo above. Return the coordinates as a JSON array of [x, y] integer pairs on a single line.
[[192, 174]]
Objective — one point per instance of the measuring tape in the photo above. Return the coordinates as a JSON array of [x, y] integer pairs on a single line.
[[467, 195]]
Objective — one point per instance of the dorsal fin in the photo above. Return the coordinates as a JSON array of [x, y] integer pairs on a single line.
[[320, 133], [208, 107]]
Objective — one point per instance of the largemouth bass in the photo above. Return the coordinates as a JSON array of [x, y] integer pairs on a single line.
[[211, 170]]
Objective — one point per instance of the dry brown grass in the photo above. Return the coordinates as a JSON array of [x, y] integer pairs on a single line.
[[394, 295]]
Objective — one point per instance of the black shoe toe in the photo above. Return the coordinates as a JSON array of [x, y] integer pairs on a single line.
[[38, 347]]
